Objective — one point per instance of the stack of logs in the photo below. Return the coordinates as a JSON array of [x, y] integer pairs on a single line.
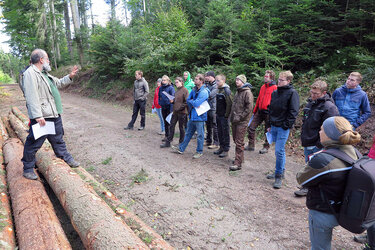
[[99, 218]]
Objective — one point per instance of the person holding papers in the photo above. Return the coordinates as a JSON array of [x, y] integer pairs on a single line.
[[43, 103], [239, 117], [179, 112], [166, 96], [197, 103]]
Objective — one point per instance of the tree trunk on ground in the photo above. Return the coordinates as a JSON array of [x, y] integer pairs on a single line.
[[7, 238], [37, 224], [24, 119], [95, 222], [76, 23], [67, 29], [5, 120]]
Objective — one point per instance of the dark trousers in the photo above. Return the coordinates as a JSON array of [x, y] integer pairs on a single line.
[[57, 143], [223, 132], [211, 127], [258, 118], [371, 237], [165, 111], [181, 119], [139, 105], [238, 133]]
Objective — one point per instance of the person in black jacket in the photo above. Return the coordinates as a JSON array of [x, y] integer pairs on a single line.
[[212, 141], [283, 111], [325, 177], [319, 107]]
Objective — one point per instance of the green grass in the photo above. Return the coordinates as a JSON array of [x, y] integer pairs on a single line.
[[107, 161]]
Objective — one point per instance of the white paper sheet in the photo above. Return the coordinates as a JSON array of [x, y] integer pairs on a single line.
[[269, 137], [169, 117], [153, 110], [170, 97], [203, 108], [48, 129]]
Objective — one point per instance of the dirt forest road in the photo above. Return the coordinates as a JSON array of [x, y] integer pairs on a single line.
[[193, 203]]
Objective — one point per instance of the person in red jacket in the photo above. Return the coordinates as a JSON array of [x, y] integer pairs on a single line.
[[261, 111], [157, 107], [371, 154]]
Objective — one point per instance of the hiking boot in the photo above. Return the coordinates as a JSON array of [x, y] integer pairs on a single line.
[[30, 175], [361, 238], [234, 168], [161, 133], [164, 139], [249, 148], [207, 144], [128, 128], [219, 151], [223, 154], [141, 128], [263, 151], [302, 192], [177, 150], [278, 181], [166, 144], [213, 146], [73, 164], [272, 176], [197, 155]]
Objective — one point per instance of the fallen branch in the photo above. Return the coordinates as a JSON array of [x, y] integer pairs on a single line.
[[36, 222]]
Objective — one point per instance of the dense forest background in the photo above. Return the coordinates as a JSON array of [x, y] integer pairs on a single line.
[[312, 38]]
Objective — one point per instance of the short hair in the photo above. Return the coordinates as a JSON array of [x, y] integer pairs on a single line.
[[36, 55], [180, 79], [271, 73], [166, 78], [287, 74], [200, 77], [319, 84], [358, 75], [138, 72], [221, 76]]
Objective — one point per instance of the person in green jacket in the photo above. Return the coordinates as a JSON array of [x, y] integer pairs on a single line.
[[189, 84]]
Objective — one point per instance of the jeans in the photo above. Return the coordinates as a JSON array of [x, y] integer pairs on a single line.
[[57, 143], [279, 136], [158, 111], [320, 227], [223, 132], [180, 118], [191, 128], [139, 105], [211, 125], [309, 151], [258, 118]]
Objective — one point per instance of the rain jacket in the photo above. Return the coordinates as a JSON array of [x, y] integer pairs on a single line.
[[189, 84], [140, 90], [223, 101], [195, 99], [264, 97], [163, 99], [242, 105]]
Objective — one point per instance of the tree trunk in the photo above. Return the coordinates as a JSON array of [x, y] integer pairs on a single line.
[[95, 222], [54, 31], [37, 224], [7, 238], [92, 18], [24, 119], [77, 25], [67, 29], [7, 127], [113, 10]]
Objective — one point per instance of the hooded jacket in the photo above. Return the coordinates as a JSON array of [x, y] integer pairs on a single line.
[[155, 104], [353, 104], [242, 106], [314, 114], [284, 107], [195, 99], [189, 84], [223, 101], [163, 99], [326, 174], [212, 87], [264, 97], [140, 90]]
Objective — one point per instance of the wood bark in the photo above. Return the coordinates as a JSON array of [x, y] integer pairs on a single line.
[[17, 112], [77, 25], [135, 223], [95, 222], [10, 131], [7, 238], [37, 226]]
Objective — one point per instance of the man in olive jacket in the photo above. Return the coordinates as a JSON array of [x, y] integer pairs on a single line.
[[43, 102]]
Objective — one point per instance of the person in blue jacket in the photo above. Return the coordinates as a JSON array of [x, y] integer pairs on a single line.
[[196, 122], [166, 90], [352, 102]]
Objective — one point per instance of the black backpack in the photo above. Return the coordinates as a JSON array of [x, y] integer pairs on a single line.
[[357, 211]]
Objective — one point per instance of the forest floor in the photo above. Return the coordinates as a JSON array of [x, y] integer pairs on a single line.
[[192, 203]]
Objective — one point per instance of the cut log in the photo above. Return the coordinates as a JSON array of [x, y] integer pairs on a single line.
[[7, 238], [144, 232], [24, 119], [6, 124], [37, 226], [98, 226]]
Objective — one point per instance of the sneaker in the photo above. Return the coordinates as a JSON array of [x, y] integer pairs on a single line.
[[361, 238], [161, 133], [141, 128], [223, 154], [197, 155], [166, 144], [73, 164], [234, 168], [219, 151], [30, 175], [128, 128], [207, 144], [302, 192], [248, 148], [272, 176], [177, 150], [263, 151], [213, 146], [278, 182]]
